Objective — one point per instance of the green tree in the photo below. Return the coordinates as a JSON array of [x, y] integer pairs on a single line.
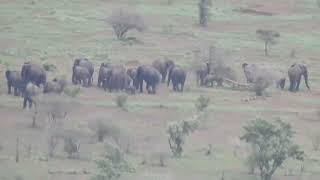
[[272, 145], [269, 38]]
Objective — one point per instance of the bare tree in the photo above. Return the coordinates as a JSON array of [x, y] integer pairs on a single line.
[[55, 109], [123, 21], [269, 38], [204, 12]]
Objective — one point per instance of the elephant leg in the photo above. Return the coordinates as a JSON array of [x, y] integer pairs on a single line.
[[298, 83], [24, 102], [15, 91], [30, 102], [141, 86], [9, 88], [292, 82]]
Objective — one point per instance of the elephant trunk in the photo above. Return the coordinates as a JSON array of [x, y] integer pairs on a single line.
[[306, 79]]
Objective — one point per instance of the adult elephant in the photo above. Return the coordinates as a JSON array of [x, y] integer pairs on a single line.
[[14, 80], [132, 73], [295, 72], [81, 75], [118, 80], [57, 86], [162, 65], [85, 63], [32, 72], [202, 70], [150, 75], [31, 91], [178, 77], [250, 72], [104, 73]]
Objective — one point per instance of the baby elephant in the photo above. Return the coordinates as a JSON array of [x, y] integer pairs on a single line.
[[14, 80], [210, 78], [178, 77], [57, 86], [30, 93]]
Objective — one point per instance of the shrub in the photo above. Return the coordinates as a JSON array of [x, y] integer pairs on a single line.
[[103, 128], [49, 67], [123, 21], [71, 146], [72, 92], [315, 140], [112, 164], [178, 131], [121, 100], [272, 145], [202, 102]]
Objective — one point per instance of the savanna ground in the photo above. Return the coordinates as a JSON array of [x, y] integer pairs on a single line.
[[58, 31]]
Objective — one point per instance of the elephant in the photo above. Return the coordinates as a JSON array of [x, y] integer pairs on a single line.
[[57, 86], [252, 72], [178, 77], [32, 72], [150, 75], [210, 78], [118, 80], [132, 73], [295, 72], [31, 91], [81, 75], [162, 65], [14, 80], [104, 73], [86, 64], [202, 70]]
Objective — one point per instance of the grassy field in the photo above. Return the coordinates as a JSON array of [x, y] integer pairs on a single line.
[[56, 32]]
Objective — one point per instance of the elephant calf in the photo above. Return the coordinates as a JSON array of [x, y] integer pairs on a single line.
[[14, 80], [178, 77], [202, 70], [31, 91], [57, 85], [210, 78]]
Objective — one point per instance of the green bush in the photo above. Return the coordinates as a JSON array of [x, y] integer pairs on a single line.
[[202, 102], [72, 92], [121, 101], [112, 164], [177, 133]]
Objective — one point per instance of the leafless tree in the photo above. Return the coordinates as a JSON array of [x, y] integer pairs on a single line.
[[268, 36], [123, 21]]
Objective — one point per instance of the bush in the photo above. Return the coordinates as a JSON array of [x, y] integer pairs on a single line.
[[103, 128], [121, 100], [49, 67], [178, 131], [112, 164], [202, 102], [71, 146], [272, 145], [123, 21], [72, 92], [315, 139]]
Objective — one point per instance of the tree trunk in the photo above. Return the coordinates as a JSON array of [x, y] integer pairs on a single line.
[[266, 48], [17, 150]]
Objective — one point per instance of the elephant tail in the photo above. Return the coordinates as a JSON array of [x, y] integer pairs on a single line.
[[306, 79]]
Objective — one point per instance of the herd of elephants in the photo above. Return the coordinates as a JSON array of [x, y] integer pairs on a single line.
[[32, 76]]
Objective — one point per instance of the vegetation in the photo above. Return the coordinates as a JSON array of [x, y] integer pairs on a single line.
[[177, 133], [121, 101], [272, 145], [202, 102], [104, 128], [123, 21], [112, 164], [268, 37], [204, 12]]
